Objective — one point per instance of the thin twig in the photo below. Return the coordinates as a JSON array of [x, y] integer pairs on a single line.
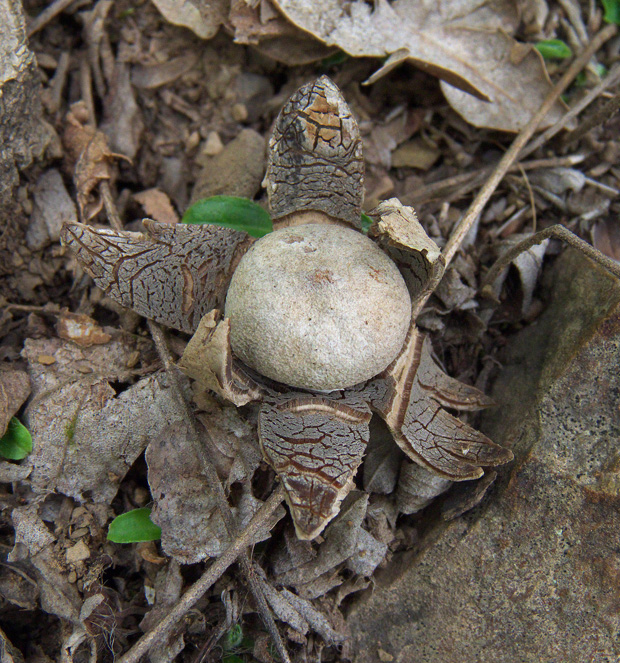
[[216, 485], [559, 232], [47, 15], [470, 180], [611, 79], [211, 575], [485, 193], [519, 142], [200, 451]]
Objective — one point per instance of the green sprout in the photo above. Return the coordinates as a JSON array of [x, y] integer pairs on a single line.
[[553, 49], [238, 214], [230, 212], [134, 527], [612, 11], [16, 443]]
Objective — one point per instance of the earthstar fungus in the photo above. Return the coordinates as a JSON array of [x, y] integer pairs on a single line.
[[313, 307]]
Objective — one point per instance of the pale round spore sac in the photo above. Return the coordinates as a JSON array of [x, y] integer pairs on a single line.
[[317, 307]]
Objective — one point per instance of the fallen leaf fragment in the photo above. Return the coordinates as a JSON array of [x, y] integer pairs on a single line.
[[606, 238], [157, 205], [52, 208], [202, 17], [417, 153], [274, 36], [192, 527], [88, 158], [488, 77], [81, 329], [122, 123], [14, 390], [85, 437]]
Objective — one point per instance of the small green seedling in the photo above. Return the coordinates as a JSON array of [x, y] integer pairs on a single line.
[[230, 212], [238, 214], [134, 527], [612, 11], [16, 443], [234, 645], [554, 49]]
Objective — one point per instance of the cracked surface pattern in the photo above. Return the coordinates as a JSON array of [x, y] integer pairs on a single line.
[[315, 156], [409, 396], [315, 444], [170, 274]]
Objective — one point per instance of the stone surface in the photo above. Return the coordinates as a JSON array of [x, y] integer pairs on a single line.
[[235, 171], [21, 134], [533, 574]]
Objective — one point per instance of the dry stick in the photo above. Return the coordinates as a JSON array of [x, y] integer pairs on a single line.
[[206, 464], [215, 483], [611, 79], [469, 181], [47, 15], [606, 112], [479, 202], [558, 231], [211, 575], [519, 142]]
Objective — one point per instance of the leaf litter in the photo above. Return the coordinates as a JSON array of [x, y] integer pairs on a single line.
[[129, 409]]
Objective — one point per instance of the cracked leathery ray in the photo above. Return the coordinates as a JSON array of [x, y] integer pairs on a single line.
[[316, 445], [315, 442]]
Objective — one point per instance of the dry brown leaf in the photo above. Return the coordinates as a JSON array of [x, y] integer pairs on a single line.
[[52, 208], [185, 503], [606, 238], [85, 438], [202, 17], [14, 390], [416, 153], [88, 159], [81, 329], [382, 461], [157, 205], [263, 27], [122, 124], [466, 44]]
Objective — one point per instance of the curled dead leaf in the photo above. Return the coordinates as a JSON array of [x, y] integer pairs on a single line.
[[488, 77], [202, 17], [14, 390], [88, 159], [81, 329]]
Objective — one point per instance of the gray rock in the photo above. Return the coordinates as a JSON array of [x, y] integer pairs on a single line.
[[22, 136], [532, 574], [52, 208], [236, 171]]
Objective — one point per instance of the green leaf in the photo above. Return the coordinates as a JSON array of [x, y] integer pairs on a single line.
[[232, 638], [230, 212], [332, 60], [366, 223], [16, 443], [612, 11], [232, 658], [133, 527], [553, 49]]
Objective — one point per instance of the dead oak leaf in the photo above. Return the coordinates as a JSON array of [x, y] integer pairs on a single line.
[[202, 17], [85, 437], [274, 36], [157, 206], [488, 77], [14, 390], [88, 158]]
